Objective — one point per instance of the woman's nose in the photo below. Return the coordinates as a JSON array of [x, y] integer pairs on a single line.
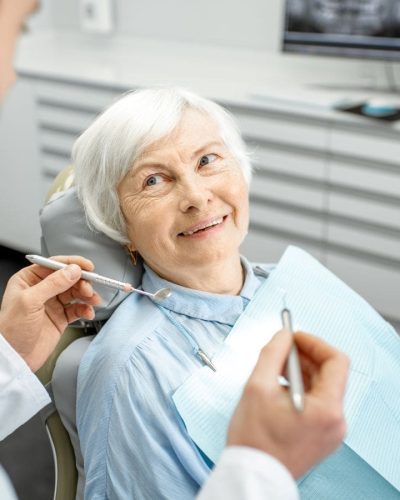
[[195, 195]]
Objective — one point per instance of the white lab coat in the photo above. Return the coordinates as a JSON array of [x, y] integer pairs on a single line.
[[21, 397], [21, 393], [241, 474], [247, 474]]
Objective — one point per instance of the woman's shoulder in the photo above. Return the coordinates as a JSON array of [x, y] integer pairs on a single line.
[[135, 319], [136, 359]]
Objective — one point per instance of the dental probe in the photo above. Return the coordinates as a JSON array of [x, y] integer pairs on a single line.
[[161, 294], [296, 386]]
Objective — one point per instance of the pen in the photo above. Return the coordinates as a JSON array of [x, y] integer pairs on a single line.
[[163, 293], [296, 387]]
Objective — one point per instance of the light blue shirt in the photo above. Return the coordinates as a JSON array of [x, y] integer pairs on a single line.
[[133, 441]]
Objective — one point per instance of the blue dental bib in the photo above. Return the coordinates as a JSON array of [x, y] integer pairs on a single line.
[[367, 466]]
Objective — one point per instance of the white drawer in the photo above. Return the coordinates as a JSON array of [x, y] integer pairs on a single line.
[[283, 130], [379, 285], [53, 164], [286, 190], [365, 209], [288, 162], [376, 181], [364, 241], [367, 145], [268, 248], [77, 95], [288, 221], [74, 120], [57, 141]]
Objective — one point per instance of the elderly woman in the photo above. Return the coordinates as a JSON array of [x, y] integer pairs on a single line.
[[165, 173]]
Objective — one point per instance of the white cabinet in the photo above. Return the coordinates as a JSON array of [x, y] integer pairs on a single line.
[[363, 234], [39, 123], [20, 179], [377, 142], [288, 193], [378, 284], [268, 247], [333, 188], [375, 177], [276, 127], [64, 110]]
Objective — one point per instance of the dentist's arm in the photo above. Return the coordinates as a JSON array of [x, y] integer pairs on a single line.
[[269, 443]]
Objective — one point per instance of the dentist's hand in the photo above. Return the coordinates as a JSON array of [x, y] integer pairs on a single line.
[[38, 304], [265, 418]]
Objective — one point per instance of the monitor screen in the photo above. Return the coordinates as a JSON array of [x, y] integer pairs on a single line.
[[355, 28]]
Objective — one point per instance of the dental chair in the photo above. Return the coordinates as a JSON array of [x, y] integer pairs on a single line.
[[65, 232]]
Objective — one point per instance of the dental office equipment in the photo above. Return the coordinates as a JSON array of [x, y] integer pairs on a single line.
[[161, 294], [293, 369]]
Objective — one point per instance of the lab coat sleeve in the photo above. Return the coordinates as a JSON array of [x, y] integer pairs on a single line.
[[21, 393], [245, 473], [6, 488]]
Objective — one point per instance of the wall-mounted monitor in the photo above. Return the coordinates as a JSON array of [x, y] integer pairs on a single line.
[[354, 28]]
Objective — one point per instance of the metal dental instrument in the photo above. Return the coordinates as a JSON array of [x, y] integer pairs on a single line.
[[161, 294], [293, 369], [206, 360]]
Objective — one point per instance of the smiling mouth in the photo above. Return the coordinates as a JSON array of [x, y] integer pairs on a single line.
[[204, 228]]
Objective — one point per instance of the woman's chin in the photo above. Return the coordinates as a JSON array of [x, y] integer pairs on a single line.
[[212, 245], [203, 255]]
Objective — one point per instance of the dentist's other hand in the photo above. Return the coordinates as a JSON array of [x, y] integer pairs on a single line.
[[265, 418], [38, 304]]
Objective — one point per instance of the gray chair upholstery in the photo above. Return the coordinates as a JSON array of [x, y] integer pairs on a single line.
[[64, 385]]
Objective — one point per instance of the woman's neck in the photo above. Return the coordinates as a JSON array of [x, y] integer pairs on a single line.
[[225, 277]]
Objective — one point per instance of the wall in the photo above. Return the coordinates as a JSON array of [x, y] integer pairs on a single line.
[[250, 24], [254, 24]]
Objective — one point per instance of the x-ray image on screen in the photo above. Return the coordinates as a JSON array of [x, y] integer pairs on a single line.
[[344, 27]]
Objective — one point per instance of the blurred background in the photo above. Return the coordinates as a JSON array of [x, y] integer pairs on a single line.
[[313, 84]]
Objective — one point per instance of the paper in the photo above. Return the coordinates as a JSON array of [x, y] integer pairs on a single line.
[[323, 305]]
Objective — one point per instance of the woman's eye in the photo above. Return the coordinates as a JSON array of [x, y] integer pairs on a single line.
[[206, 159], [152, 180]]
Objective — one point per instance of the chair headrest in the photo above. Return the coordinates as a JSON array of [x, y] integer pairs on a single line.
[[65, 232]]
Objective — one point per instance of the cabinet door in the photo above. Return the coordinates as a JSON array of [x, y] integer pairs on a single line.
[[282, 128], [65, 110], [20, 185], [379, 284], [372, 142], [374, 177], [267, 247], [363, 233], [288, 195], [364, 210]]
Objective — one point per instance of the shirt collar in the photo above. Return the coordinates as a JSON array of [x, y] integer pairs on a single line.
[[203, 305]]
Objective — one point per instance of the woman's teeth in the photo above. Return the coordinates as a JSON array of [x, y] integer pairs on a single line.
[[213, 223]]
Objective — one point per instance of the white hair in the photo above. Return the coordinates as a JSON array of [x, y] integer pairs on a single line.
[[106, 151]]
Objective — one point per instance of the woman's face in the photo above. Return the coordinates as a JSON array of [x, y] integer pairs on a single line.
[[185, 200]]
